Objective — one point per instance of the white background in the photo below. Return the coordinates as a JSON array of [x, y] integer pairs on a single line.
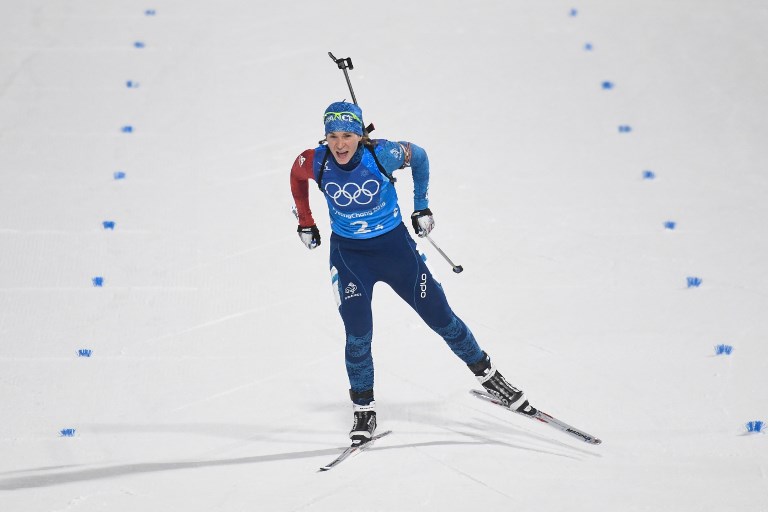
[[216, 380]]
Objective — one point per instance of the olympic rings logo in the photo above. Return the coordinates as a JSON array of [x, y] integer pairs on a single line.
[[352, 192]]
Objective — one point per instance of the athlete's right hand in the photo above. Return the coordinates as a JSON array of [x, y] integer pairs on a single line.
[[309, 235]]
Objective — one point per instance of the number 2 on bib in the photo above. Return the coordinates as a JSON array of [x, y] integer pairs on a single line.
[[363, 227]]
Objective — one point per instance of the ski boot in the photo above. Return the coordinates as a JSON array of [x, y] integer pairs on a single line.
[[495, 384], [364, 423]]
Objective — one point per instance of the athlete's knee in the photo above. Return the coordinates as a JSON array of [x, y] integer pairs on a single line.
[[451, 330], [460, 340]]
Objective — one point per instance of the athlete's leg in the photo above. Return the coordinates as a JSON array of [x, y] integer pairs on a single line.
[[353, 289], [415, 284]]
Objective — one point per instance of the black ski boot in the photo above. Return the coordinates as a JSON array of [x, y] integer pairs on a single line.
[[495, 383], [364, 423]]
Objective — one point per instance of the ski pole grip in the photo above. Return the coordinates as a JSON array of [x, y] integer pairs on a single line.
[[342, 63]]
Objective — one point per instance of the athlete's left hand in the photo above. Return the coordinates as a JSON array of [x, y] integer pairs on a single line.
[[423, 222], [310, 236]]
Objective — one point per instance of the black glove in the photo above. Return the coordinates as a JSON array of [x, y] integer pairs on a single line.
[[422, 221], [310, 236]]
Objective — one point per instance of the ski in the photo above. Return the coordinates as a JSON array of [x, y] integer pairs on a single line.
[[353, 450], [542, 417]]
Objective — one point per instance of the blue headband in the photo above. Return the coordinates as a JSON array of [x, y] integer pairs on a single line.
[[343, 117]]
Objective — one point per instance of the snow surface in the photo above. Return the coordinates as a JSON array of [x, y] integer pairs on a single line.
[[216, 378]]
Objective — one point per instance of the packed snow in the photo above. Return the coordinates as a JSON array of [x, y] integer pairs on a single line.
[[599, 169]]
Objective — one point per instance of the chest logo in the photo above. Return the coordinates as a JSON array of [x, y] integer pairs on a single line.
[[352, 192]]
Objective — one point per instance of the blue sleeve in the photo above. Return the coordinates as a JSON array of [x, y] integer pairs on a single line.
[[420, 170], [396, 155]]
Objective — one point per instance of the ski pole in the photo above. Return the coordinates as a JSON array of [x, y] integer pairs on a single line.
[[456, 268], [345, 64]]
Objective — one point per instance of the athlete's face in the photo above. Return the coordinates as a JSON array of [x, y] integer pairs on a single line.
[[343, 145]]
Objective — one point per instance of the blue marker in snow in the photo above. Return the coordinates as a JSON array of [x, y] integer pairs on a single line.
[[131, 84], [588, 47], [139, 44], [119, 175], [573, 13], [723, 349], [127, 129], [670, 225], [693, 282], [607, 85], [67, 432], [150, 12], [625, 128], [98, 281], [84, 352], [755, 426], [109, 224], [649, 175]]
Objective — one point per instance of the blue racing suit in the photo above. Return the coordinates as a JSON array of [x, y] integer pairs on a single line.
[[370, 244]]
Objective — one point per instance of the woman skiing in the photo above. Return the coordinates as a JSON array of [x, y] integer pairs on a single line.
[[369, 243]]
